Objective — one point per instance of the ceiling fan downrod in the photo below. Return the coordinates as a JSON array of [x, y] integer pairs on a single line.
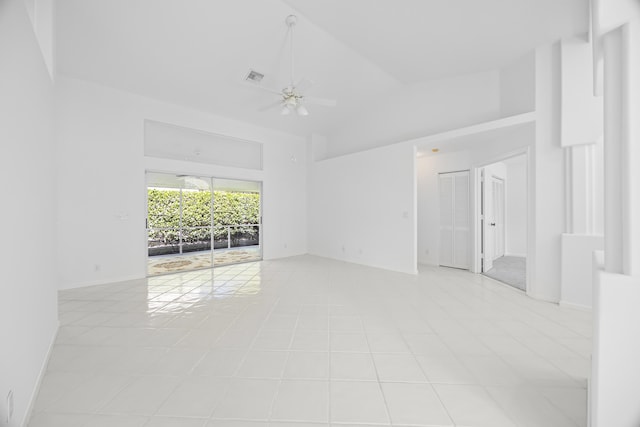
[[291, 21]]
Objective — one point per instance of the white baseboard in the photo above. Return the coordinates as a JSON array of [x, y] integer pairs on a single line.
[[43, 371], [543, 298], [517, 255], [427, 263], [102, 282], [575, 306]]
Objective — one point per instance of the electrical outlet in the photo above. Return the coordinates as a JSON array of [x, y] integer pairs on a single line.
[[9, 406]]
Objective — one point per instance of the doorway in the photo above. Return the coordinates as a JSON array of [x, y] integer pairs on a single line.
[[503, 221], [196, 222]]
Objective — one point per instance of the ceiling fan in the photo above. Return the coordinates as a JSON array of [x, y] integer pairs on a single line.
[[292, 99]]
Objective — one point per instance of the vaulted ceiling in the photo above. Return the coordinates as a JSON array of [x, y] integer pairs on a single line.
[[197, 52]]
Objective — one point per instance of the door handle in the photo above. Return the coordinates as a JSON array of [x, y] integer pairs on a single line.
[[493, 224]]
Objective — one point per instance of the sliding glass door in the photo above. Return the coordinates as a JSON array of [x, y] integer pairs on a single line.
[[198, 222]]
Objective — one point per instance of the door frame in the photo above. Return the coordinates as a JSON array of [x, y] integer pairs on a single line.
[[499, 182], [145, 261], [476, 258]]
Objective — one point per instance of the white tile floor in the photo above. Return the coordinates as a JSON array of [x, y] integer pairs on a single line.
[[307, 341]]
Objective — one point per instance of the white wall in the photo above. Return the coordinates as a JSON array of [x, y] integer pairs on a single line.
[[423, 109], [101, 182], [576, 277], [41, 13], [549, 174], [582, 120], [363, 208], [517, 86], [616, 348], [615, 374], [516, 206], [28, 300]]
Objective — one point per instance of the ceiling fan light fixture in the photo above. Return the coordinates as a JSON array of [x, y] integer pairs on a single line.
[[291, 98]]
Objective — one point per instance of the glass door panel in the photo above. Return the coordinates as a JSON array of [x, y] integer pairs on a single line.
[[178, 223], [236, 221]]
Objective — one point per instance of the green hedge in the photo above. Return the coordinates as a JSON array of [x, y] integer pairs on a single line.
[[163, 211]]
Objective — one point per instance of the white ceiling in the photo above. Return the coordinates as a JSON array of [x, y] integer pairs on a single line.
[[417, 40], [197, 52]]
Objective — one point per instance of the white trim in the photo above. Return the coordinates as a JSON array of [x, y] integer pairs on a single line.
[[427, 264], [575, 306], [543, 298], [41, 374], [478, 129], [506, 122], [517, 255], [102, 282]]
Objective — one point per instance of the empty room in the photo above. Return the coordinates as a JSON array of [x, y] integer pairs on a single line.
[[285, 213]]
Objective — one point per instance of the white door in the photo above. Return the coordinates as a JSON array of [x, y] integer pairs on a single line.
[[454, 219], [446, 219], [498, 217], [488, 231]]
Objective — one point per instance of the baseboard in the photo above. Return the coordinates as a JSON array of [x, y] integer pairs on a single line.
[[427, 263], [43, 371], [102, 282], [542, 298], [575, 306], [412, 271]]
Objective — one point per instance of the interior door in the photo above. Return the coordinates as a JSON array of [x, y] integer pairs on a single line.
[[498, 217], [446, 219], [454, 219], [461, 232], [488, 230]]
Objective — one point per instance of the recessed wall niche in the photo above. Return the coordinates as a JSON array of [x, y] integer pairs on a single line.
[[168, 141]]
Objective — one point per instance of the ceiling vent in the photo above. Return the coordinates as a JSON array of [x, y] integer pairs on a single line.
[[254, 76]]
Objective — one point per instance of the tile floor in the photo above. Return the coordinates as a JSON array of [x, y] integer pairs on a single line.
[[305, 342]]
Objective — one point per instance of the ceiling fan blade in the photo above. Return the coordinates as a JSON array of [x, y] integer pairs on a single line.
[[303, 85], [270, 106], [320, 101]]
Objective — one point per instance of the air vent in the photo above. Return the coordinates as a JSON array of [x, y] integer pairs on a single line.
[[254, 76]]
